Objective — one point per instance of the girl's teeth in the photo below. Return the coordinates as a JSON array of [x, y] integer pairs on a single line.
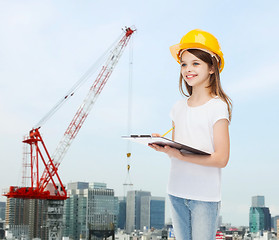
[[190, 76]]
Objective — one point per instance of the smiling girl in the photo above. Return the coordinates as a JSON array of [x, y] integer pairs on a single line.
[[200, 120]]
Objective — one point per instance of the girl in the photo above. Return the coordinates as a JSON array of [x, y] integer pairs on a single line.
[[200, 120]]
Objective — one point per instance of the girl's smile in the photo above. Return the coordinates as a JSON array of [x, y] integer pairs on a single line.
[[190, 76]]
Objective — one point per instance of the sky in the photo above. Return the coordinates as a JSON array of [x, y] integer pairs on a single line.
[[46, 46]]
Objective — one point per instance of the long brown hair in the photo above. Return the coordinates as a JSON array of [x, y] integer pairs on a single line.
[[214, 81]]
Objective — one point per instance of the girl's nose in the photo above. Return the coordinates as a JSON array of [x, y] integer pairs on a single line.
[[188, 69]]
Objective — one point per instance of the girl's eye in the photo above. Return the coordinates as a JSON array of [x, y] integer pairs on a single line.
[[195, 64], [183, 65]]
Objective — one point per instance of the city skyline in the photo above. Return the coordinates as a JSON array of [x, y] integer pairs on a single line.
[[47, 46], [256, 201]]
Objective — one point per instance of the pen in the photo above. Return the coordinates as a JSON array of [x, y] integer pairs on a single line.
[[168, 132]]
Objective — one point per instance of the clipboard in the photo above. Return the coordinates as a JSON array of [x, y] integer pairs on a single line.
[[162, 141]]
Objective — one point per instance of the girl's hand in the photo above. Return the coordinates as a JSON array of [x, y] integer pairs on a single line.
[[172, 152], [155, 135]]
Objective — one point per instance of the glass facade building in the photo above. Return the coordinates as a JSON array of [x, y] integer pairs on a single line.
[[133, 210], [256, 219], [259, 216], [144, 211], [157, 212], [121, 213], [259, 219], [93, 206]]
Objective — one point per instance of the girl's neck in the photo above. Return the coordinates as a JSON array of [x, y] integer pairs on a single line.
[[199, 96]]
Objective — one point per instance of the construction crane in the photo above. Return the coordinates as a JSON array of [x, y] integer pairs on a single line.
[[49, 185]]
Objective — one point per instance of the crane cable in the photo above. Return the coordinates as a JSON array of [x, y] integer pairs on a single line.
[[94, 67], [128, 181]]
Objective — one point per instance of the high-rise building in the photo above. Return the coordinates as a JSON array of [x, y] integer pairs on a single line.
[[2, 210], [78, 185], [27, 217], [258, 201], [144, 211], [157, 212], [121, 213], [133, 208], [259, 216], [90, 206]]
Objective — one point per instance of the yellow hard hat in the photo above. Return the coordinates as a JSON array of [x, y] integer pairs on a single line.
[[198, 39]]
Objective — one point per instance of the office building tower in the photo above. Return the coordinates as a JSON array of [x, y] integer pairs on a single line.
[[144, 211], [78, 185], [121, 223], [259, 216], [90, 206], [133, 207], [27, 218], [258, 201], [2, 210], [157, 212]]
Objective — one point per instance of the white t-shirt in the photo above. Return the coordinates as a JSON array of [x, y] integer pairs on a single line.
[[194, 127]]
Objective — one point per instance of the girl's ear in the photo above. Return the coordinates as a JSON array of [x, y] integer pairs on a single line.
[[211, 70]]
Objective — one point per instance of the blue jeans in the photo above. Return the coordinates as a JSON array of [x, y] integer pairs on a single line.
[[194, 220]]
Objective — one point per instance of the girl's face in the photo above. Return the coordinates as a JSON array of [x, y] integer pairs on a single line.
[[195, 71]]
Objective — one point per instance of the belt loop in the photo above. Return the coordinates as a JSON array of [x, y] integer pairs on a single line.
[[186, 202]]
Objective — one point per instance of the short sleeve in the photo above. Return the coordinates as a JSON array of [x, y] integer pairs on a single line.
[[174, 109], [172, 113], [220, 111]]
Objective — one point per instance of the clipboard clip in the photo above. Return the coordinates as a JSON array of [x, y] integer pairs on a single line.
[[136, 136]]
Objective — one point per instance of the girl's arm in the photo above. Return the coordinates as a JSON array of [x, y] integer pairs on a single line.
[[219, 158]]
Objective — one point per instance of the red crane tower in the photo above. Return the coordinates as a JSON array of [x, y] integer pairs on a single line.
[[49, 185]]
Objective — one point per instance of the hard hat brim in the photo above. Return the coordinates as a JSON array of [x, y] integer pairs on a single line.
[[175, 50]]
